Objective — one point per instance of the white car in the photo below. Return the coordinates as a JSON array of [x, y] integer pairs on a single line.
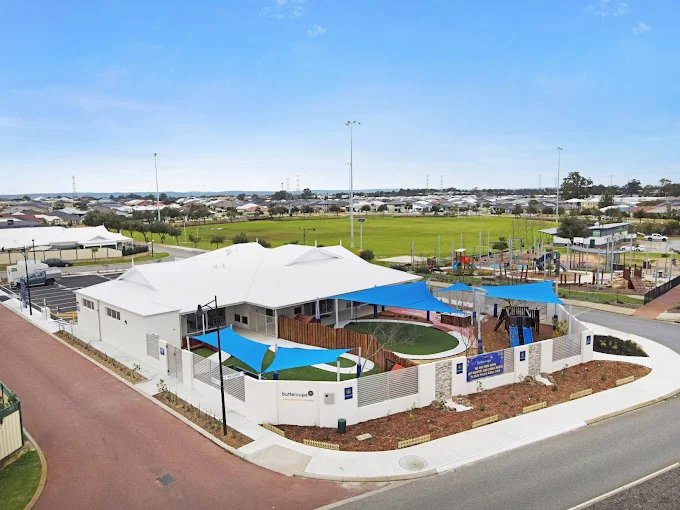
[[656, 237], [634, 248]]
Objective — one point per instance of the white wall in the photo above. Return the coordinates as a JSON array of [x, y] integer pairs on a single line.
[[166, 325], [295, 405]]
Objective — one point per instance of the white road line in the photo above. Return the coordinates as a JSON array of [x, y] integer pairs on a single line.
[[624, 487]]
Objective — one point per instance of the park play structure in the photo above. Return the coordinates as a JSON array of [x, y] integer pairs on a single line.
[[552, 259], [462, 261]]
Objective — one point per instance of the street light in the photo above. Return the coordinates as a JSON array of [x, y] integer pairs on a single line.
[[350, 124], [158, 195], [201, 312], [361, 233], [304, 234], [557, 207]]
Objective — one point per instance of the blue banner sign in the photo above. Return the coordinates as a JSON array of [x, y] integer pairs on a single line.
[[485, 365]]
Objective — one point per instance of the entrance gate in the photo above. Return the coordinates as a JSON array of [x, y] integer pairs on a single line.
[[175, 363]]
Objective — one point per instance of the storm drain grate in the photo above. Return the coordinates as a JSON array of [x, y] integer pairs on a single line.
[[166, 479]]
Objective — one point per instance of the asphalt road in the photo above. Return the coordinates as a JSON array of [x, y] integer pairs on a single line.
[[659, 493], [106, 445], [564, 471]]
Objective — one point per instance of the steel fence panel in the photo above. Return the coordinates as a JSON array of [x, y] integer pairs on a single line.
[[372, 389], [152, 346], [566, 347]]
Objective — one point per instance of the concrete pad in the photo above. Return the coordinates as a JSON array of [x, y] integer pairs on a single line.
[[280, 459]]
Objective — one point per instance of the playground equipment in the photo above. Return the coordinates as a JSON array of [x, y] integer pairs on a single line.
[[551, 259], [462, 259], [520, 323]]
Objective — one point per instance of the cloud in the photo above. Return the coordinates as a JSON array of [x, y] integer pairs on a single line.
[[609, 8], [284, 9], [316, 31], [641, 28]]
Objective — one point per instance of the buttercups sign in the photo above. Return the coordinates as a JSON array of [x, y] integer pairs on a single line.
[[300, 396]]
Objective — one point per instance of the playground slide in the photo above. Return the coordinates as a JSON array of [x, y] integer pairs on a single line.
[[514, 336], [455, 266], [473, 267], [528, 335]]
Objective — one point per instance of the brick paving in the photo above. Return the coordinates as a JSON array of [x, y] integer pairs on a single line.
[[106, 444], [655, 308]]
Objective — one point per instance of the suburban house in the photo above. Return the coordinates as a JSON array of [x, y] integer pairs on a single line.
[[253, 286]]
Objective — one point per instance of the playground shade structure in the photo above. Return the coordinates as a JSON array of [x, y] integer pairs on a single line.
[[414, 296], [457, 287], [252, 353], [541, 292]]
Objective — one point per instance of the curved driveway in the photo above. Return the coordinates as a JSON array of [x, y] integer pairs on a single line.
[[106, 445], [564, 471]]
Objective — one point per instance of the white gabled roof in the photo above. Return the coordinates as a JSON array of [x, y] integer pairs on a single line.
[[244, 273], [14, 238]]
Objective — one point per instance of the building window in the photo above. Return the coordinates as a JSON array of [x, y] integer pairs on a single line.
[[244, 320], [297, 310], [269, 312], [114, 314], [237, 317], [88, 304]]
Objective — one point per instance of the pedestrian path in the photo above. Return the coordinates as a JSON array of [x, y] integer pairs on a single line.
[[655, 308]]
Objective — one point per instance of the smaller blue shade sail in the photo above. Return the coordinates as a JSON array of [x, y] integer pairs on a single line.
[[456, 287], [250, 352], [541, 292], [293, 357], [413, 296]]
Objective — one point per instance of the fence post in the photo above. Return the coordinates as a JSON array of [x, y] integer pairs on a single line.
[[188, 368]]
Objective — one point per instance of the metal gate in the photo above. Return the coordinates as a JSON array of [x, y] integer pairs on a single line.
[[175, 363]]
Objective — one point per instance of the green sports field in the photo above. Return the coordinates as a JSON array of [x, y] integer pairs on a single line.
[[387, 236]]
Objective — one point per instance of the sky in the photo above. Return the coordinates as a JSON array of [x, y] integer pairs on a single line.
[[246, 95]]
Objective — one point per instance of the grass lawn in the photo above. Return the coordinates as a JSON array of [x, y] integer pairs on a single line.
[[122, 260], [387, 236], [344, 363], [425, 340], [298, 374], [601, 297], [203, 351], [19, 480]]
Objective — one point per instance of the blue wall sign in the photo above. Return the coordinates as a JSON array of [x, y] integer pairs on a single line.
[[459, 368], [348, 393], [522, 355], [485, 365], [588, 340], [163, 352]]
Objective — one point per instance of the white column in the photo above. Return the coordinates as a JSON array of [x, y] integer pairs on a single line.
[[188, 368], [318, 315], [276, 323], [337, 313]]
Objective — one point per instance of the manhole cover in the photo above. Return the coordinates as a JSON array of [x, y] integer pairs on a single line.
[[166, 479], [413, 463]]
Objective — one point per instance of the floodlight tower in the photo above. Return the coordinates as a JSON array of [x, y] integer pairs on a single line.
[[351, 124]]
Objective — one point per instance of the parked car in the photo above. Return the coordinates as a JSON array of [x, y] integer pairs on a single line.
[[35, 279], [656, 237], [58, 263], [634, 248]]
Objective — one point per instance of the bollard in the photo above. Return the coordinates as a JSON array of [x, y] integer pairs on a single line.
[[275, 376], [342, 425], [495, 309]]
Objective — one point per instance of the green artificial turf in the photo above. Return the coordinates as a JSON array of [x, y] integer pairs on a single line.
[[203, 351], [417, 339], [19, 481]]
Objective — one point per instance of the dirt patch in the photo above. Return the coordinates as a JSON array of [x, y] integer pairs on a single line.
[[205, 421], [505, 401], [129, 374]]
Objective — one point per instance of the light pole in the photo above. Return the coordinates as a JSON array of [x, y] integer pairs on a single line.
[[361, 233], [350, 124], [199, 313], [557, 205], [33, 242], [304, 234], [158, 195]]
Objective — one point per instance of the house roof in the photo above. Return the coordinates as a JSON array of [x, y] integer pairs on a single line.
[[245, 273]]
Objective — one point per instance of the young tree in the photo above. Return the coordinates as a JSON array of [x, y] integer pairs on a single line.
[[547, 210], [295, 210], [94, 250], [606, 200], [307, 209], [500, 246], [174, 232], [382, 208], [143, 229], [217, 240], [632, 187], [334, 208], [436, 208], [385, 335], [640, 214], [533, 207], [264, 244], [240, 238], [231, 214], [365, 209], [194, 239], [571, 227], [306, 193], [517, 210], [367, 255]]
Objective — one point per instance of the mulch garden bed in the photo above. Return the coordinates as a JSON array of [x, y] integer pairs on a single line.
[[205, 421], [127, 373], [505, 401]]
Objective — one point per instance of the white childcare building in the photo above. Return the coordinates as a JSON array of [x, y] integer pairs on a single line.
[[253, 285]]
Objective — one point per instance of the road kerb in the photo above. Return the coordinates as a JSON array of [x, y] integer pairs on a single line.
[[633, 408], [43, 472]]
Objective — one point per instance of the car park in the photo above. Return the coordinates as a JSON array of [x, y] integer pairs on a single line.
[[58, 263], [36, 278]]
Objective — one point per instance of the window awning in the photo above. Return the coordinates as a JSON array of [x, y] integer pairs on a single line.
[[294, 357], [414, 296], [250, 352]]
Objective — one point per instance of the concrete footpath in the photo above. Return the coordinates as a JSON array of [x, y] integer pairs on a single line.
[[655, 308], [288, 457]]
